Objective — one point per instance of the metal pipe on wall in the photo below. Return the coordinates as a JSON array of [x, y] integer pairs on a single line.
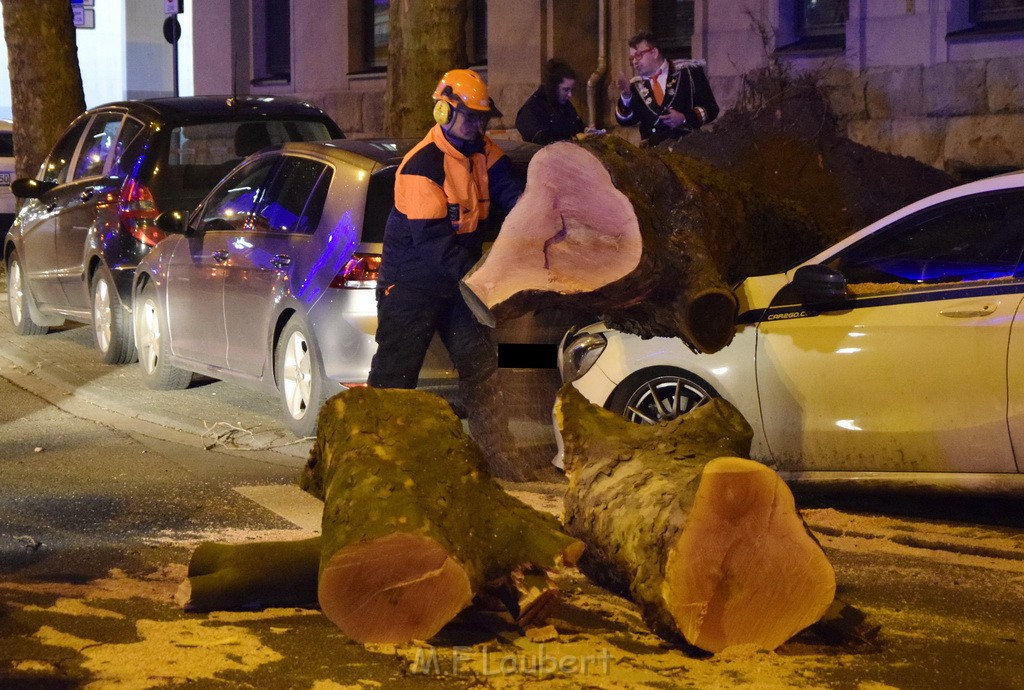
[[602, 65]]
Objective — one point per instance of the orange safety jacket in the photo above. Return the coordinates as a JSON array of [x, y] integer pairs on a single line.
[[442, 196]]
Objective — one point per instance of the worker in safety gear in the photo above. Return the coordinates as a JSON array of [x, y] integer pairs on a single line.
[[444, 192]]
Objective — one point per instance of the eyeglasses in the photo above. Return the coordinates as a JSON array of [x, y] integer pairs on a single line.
[[639, 54]]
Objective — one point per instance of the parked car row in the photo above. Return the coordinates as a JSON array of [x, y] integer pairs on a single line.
[[269, 280], [88, 220], [240, 239]]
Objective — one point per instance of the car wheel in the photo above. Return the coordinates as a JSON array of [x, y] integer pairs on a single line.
[[110, 323], [17, 300], [153, 347], [299, 378], [659, 394]]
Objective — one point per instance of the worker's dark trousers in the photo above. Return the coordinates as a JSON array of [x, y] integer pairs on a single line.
[[406, 321]]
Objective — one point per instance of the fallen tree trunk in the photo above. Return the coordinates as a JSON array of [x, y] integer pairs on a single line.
[[710, 545], [648, 239], [413, 526]]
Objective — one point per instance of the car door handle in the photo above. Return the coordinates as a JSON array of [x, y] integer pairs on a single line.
[[87, 194], [220, 257], [281, 260], [983, 310]]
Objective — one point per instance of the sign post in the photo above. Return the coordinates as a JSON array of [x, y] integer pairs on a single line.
[[172, 32]]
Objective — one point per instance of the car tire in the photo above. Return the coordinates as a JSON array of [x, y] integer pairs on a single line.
[[18, 299], [111, 326], [153, 348], [300, 380], [659, 394]]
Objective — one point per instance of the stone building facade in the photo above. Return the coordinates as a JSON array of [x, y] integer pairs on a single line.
[[922, 78]]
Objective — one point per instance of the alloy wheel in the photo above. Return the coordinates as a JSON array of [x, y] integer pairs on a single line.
[[15, 292], [149, 336], [664, 398], [101, 314], [296, 375]]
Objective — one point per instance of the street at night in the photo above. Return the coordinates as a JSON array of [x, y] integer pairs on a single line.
[[109, 486]]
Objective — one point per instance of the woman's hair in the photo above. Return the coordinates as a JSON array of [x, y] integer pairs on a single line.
[[555, 71]]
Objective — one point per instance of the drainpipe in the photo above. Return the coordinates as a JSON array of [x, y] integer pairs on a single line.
[[602, 66]]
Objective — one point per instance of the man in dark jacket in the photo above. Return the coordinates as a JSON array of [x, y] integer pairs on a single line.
[[548, 115], [444, 189], [666, 99]]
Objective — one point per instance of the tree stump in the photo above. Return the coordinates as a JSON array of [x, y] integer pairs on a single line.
[[413, 526], [710, 545], [650, 240]]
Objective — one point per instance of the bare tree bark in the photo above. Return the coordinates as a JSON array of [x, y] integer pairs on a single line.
[[428, 38], [46, 82]]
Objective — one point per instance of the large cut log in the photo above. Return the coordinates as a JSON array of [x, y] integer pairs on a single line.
[[648, 239], [709, 544], [413, 526]]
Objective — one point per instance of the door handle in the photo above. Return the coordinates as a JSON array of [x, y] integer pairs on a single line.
[[281, 260], [968, 313], [87, 194], [220, 257]]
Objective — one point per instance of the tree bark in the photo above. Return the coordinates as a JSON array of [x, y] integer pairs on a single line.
[[413, 526], [46, 83], [428, 38], [648, 239], [710, 545]]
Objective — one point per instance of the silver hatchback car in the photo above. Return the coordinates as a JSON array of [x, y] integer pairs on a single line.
[[271, 281]]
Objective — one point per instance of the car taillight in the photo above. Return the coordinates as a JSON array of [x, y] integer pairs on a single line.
[[136, 209], [359, 272]]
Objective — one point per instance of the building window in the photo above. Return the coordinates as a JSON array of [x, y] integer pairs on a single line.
[[377, 33], [672, 26], [476, 32], [997, 13], [822, 22], [272, 41]]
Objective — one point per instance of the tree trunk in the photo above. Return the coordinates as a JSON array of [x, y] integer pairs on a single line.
[[428, 38], [46, 84], [413, 526], [710, 545], [648, 239]]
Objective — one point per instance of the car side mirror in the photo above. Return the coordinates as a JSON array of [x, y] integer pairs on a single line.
[[819, 283], [172, 222], [29, 188]]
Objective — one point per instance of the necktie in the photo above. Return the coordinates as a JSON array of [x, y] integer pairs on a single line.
[[659, 93]]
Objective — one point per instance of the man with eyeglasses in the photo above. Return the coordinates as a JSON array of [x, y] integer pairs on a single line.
[[666, 99]]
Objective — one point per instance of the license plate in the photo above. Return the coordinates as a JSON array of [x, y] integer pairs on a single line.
[[5, 179]]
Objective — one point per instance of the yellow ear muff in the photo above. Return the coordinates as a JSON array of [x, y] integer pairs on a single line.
[[442, 112]]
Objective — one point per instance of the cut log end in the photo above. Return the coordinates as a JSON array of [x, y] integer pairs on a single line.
[[745, 570], [394, 589], [709, 320]]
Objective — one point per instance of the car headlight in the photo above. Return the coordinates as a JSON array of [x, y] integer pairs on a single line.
[[578, 354]]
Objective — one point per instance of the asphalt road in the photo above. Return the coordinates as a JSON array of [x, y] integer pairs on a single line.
[[107, 487]]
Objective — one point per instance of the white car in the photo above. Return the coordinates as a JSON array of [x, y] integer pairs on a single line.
[[8, 207], [895, 358]]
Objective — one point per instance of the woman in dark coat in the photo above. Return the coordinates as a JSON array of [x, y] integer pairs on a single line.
[[548, 115]]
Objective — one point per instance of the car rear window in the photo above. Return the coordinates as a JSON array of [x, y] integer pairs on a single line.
[[380, 197], [6, 145], [199, 155]]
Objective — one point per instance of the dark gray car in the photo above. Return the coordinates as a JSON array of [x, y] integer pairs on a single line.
[[74, 246]]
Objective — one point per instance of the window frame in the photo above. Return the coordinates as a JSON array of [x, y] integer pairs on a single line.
[[676, 44], [271, 39], [995, 18]]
